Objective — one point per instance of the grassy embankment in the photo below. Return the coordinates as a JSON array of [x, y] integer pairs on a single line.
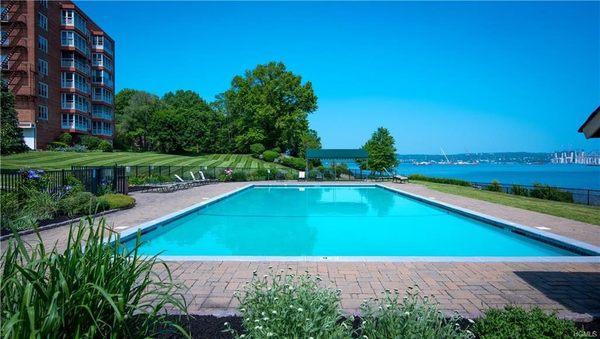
[[58, 160], [583, 213]]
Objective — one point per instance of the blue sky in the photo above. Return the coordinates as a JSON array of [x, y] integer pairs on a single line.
[[472, 77]]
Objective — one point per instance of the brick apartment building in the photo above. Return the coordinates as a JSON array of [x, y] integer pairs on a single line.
[[60, 66]]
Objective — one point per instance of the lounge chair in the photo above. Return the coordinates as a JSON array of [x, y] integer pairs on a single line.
[[319, 176], [184, 183], [203, 178], [400, 178], [198, 181]]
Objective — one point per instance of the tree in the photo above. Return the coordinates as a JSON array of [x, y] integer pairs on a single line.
[[163, 131], [381, 151], [133, 114], [268, 105], [310, 140], [11, 136]]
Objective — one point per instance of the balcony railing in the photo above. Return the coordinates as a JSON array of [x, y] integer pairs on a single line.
[[72, 125], [77, 64], [102, 115], [99, 131], [103, 81], [80, 47], [85, 88], [104, 98], [75, 105]]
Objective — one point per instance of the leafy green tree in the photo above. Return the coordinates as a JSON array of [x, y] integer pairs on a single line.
[[163, 131], [381, 150], [134, 113], [310, 140], [11, 136], [268, 105]]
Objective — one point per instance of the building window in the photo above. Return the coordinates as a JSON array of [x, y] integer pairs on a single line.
[[42, 21], [42, 112], [43, 43], [42, 90], [42, 67], [73, 39], [44, 3]]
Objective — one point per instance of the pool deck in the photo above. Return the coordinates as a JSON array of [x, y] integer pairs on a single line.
[[468, 288]]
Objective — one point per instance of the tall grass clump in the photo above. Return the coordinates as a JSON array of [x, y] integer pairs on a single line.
[[410, 316], [91, 288], [289, 306], [447, 181]]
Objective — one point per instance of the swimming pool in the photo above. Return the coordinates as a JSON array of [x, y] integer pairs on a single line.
[[334, 221]]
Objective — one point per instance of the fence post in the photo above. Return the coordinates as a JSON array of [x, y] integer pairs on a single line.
[[588, 199]]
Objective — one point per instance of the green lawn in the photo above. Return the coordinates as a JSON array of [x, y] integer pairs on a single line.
[[588, 214], [59, 160]]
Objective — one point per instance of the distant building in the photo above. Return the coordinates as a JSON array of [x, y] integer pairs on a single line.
[[591, 127], [574, 157], [60, 66]]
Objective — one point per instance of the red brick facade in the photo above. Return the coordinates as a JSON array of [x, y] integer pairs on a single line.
[[79, 75]]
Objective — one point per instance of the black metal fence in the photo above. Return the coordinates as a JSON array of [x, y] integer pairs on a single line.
[[580, 195], [94, 179]]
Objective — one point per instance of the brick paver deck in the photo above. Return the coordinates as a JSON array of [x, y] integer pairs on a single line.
[[572, 289]]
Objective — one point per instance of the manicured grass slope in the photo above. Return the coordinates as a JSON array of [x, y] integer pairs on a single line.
[[588, 214], [59, 160]]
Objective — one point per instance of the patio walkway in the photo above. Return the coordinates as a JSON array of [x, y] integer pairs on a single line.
[[466, 288]]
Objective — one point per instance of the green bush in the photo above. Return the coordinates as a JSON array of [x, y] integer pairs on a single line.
[[115, 201], [100, 290], [40, 205], [80, 203], [239, 175], [410, 317], [516, 322], [259, 174], [286, 306], [257, 150], [276, 150], [269, 156], [494, 186], [105, 146], [295, 163], [440, 180], [519, 190], [550, 193], [90, 142], [66, 139], [9, 209], [56, 145]]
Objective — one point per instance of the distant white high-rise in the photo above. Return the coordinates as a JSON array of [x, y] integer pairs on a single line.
[[574, 157]]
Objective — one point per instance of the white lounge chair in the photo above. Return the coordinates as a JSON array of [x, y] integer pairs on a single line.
[[301, 175], [203, 178]]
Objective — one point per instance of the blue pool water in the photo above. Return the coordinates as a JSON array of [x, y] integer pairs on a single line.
[[333, 221]]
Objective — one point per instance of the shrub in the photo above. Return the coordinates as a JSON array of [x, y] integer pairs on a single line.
[[276, 150], [519, 190], [296, 163], [494, 186], [98, 290], [9, 208], [239, 176], [40, 205], [80, 203], [259, 174], [114, 201], [516, 322], [270, 156], [410, 317], [105, 146], [66, 139], [550, 193], [440, 180], [90, 142], [56, 145], [257, 150], [286, 306]]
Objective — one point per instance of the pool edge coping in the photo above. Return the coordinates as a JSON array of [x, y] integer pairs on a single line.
[[531, 232]]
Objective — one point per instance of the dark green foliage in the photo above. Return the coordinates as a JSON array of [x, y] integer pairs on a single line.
[[382, 151], [133, 113], [296, 163], [257, 150], [541, 191], [91, 289], [519, 190], [310, 140], [79, 203], [270, 156], [9, 209], [259, 174], [90, 142], [268, 105], [163, 131], [65, 138], [494, 186], [409, 317], [239, 175], [105, 146], [11, 136], [516, 322], [56, 145], [458, 182], [114, 201]]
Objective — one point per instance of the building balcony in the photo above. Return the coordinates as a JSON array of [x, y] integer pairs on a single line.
[[74, 126], [76, 64], [83, 49], [71, 105], [103, 132], [104, 82], [69, 84], [102, 115]]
